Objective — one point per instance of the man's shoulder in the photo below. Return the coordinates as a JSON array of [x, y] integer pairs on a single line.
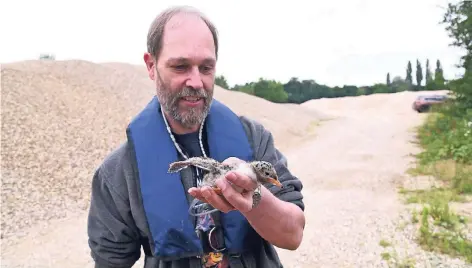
[[253, 128], [260, 138]]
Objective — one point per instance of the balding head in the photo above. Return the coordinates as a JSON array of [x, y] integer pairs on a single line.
[[156, 30]]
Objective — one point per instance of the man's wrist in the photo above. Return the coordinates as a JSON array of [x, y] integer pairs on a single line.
[[259, 211]]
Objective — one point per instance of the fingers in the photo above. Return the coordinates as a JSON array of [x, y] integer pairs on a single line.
[[215, 200], [241, 180], [241, 202], [197, 193], [208, 195]]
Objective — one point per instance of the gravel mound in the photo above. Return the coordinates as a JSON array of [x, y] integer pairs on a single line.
[[59, 119]]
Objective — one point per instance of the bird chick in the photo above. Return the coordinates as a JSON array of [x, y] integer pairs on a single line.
[[259, 171]]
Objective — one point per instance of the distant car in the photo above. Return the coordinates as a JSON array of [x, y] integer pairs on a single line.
[[424, 103]]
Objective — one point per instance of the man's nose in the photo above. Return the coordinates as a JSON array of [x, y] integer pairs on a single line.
[[194, 79]]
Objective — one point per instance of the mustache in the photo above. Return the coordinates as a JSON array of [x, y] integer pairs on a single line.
[[190, 92]]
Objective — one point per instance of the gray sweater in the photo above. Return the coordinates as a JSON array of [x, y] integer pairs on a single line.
[[117, 228]]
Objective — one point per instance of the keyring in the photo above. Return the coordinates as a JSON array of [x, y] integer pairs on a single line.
[[210, 240]]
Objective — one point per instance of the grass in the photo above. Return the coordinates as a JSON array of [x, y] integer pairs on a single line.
[[440, 231], [393, 259], [446, 157], [384, 243]]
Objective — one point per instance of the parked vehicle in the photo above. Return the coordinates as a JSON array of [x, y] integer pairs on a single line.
[[424, 103]]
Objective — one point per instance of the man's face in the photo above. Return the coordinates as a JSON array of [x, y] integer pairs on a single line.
[[185, 70]]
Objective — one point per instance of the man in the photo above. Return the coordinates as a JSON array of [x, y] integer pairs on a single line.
[[137, 203]]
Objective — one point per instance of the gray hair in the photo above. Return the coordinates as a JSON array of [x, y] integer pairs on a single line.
[[156, 31]]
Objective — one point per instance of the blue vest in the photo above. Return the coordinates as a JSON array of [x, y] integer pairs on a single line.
[[163, 196]]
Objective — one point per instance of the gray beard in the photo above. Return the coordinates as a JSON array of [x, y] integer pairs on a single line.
[[192, 116], [169, 102]]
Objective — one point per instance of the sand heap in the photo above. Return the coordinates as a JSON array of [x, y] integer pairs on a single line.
[[372, 105], [61, 118]]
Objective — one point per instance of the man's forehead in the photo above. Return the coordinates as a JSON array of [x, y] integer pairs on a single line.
[[182, 19], [186, 36], [185, 23]]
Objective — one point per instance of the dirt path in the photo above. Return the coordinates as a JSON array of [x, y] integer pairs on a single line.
[[349, 171], [350, 192]]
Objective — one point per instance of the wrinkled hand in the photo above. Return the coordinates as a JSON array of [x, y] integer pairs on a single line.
[[233, 198]]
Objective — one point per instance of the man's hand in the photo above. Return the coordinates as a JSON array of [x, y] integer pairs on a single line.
[[279, 222], [236, 189]]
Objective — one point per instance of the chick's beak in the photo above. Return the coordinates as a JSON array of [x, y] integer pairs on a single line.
[[275, 182]]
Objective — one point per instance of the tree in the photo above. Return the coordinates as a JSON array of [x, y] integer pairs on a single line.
[[458, 20], [409, 78], [221, 81], [419, 74], [399, 84], [381, 88], [438, 76], [270, 90], [429, 82], [388, 79]]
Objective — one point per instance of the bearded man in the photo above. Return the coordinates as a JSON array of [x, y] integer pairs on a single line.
[[136, 204]]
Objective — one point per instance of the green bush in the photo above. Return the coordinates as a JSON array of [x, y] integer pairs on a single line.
[[446, 137]]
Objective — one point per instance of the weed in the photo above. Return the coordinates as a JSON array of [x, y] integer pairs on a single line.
[[386, 256], [393, 260], [447, 156], [441, 231], [384, 243]]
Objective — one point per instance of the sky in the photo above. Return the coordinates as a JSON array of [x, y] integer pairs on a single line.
[[339, 42]]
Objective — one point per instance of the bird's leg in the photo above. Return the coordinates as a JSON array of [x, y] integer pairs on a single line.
[[217, 190]]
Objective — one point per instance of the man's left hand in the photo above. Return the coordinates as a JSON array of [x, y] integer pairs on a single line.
[[231, 198]]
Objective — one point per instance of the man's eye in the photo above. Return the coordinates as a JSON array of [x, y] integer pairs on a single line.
[[206, 69], [180, 67]]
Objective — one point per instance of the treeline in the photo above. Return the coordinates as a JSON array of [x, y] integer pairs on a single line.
[[298, 91]]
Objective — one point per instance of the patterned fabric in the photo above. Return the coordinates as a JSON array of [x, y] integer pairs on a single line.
[[214, 260], [205, 223], [211, 259]]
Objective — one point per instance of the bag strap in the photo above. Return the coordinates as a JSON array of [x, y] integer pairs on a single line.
[[235, 261]]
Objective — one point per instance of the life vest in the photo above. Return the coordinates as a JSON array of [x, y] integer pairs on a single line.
[[164, 200]]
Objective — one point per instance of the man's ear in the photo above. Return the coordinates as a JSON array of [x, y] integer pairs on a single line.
[[150, 65]]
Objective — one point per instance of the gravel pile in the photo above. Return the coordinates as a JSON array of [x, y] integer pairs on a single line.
[[59, 119]]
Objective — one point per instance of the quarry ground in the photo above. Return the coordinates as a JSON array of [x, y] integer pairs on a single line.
[[351, 161]]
